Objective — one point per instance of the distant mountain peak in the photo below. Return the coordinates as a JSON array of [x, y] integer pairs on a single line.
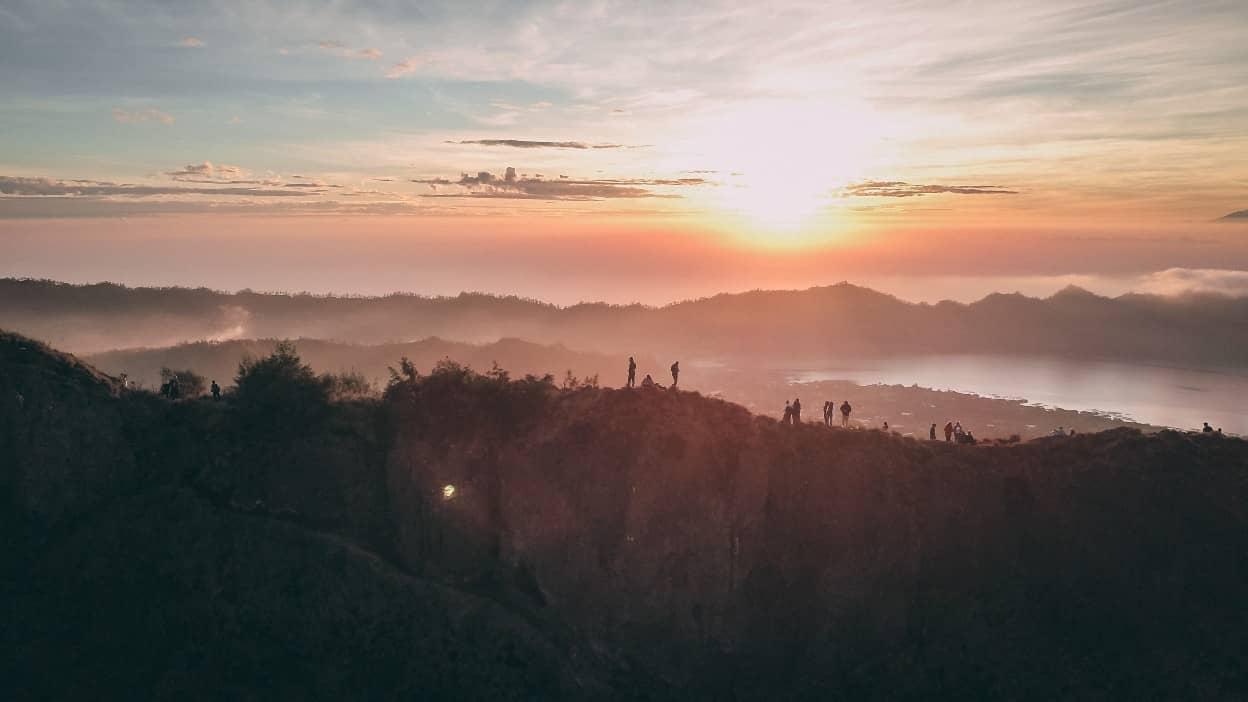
[[1074, 292]]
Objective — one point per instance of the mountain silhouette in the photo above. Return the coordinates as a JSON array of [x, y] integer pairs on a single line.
[[754, 327], [480, 537]]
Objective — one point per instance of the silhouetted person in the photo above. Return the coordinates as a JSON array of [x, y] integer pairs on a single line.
[[948, 431], [1208, 429], [1072, 432], [632, 372], [845, 410], [828, 408], [957, 430], [788, 412], [174, 391], [647, 382], [931, 433], [216, 391], [885, 425], [797, 411], [675, 373], [164, 389]]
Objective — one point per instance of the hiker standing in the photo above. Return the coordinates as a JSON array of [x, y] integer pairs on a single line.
[[632, 372], [788, 413], [675, 373], [216, 391], [797, 411], [931, 434], [948, 431], [845, 410]]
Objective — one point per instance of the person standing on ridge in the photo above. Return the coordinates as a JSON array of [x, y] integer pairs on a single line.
[[788, 413], [948, 431], [931, 433], [216, 391], [845, 410], [675, 373], [632, 372], [797, 411], [827, 413]]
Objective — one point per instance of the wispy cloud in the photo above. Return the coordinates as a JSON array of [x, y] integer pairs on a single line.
[[139, 116], [405, 67], [208, 172], [47, 187], [192, 42], [340, 49], [511, 186], [530, 144], [896, 188]]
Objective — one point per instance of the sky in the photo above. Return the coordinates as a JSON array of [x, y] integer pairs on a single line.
[[626, 151]]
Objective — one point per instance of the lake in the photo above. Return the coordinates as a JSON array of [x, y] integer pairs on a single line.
[[1173, 397]]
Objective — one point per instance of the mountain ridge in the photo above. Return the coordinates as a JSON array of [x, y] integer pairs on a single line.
[[761, 327]]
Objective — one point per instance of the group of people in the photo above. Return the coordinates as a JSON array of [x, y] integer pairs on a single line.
[[648, 382], [172, 390], [793, 412], [953, 431]]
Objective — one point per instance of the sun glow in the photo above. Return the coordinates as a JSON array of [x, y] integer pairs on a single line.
[[784, 162]]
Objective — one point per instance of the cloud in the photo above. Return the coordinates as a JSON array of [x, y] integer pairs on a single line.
[[47, 187], [342, 50], [1240, 216], [404, 67], [192, 42], [897, 188], [1187, 281], [137, 116], [208, 172], [510, 186], [528, 144]]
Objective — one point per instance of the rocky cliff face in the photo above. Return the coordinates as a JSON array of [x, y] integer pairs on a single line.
[[474, 537]]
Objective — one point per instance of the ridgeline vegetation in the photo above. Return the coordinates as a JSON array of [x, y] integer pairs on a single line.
[[477, 536]]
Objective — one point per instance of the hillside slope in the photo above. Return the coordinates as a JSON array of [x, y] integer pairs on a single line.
[[481, 538]]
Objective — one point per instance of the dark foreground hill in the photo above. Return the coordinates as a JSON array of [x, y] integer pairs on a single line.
[[475, 537]]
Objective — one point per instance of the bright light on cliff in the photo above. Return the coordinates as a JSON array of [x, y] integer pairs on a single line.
[[448, 492]]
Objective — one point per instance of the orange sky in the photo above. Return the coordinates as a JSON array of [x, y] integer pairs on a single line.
[[648, 151]]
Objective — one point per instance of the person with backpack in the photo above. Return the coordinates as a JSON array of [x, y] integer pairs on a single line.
[[845, 410]]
